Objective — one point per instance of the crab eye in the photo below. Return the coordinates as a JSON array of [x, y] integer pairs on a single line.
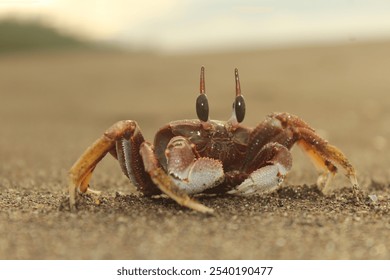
[[239, 108], [202, 107]]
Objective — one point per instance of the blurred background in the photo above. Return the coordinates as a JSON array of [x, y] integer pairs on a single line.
[[69, 69], [175, 26]]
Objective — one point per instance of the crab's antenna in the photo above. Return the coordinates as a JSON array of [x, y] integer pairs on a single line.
[[202, 82], [238, 86]]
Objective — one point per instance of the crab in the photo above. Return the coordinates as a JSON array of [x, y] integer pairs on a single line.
[[196, 156]]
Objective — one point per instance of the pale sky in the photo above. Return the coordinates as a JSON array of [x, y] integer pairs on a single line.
[[188, 25]]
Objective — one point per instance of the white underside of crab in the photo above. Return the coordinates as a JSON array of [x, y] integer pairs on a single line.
[[202, 174]]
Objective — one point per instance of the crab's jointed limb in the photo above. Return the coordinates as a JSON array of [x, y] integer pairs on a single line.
[[121, 140], [81, 172], [287, 129]]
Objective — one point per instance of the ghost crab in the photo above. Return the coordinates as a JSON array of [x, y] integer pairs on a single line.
[[208, 156]]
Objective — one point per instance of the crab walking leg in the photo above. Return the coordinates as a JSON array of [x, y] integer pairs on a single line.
[[287, 130], [81, 171], [323, 161], [122, 140], [276, 160], [319, 150], [165, 182], [191, 173], [324, 156]]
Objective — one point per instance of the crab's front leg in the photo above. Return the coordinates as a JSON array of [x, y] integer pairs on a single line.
[[81, 172]]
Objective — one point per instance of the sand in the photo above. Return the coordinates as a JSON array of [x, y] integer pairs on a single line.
[[54, 104]]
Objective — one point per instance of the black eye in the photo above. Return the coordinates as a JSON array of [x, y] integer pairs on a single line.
[[239, 108], [202, 107]]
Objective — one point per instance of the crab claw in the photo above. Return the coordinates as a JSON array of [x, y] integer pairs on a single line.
[[191, 174], [166, 183]]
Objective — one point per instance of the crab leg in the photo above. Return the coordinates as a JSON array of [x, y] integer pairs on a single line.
[[81, 171], [287, 130], [323, 155], [122, 140]]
